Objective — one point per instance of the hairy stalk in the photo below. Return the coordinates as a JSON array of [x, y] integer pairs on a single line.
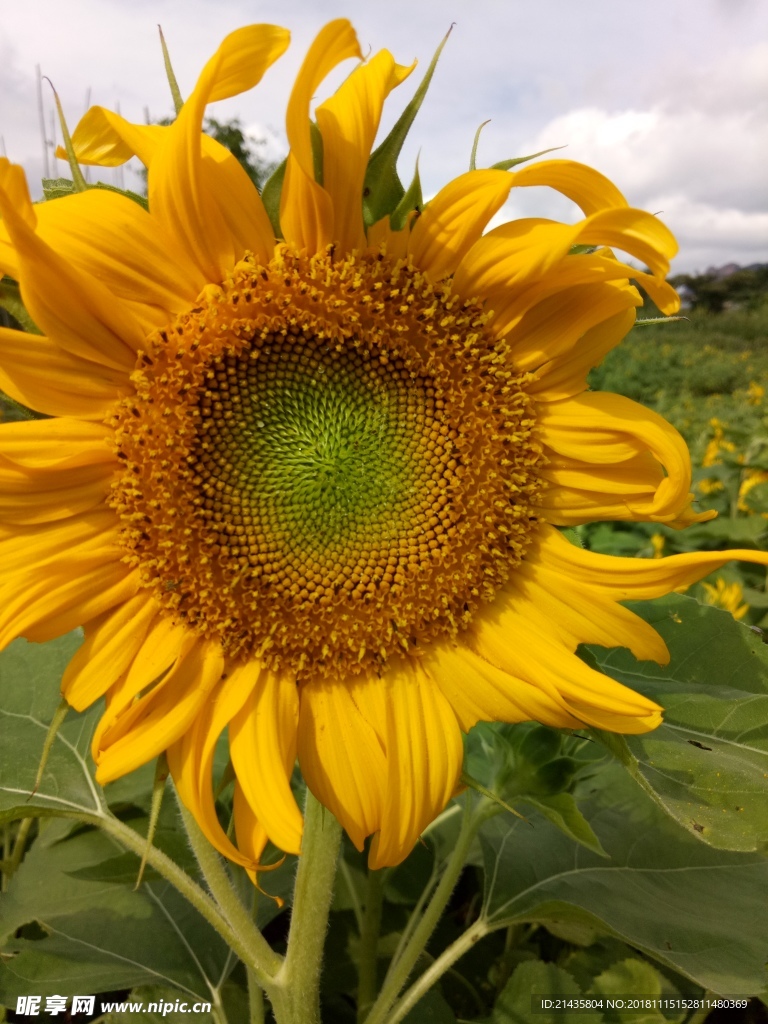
[[181, 881], [369, 944], [295, 995], [255, 1001], [224, 893], [437, 969], [400, 969]]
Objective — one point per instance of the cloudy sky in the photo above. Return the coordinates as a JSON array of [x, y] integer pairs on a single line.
[[667, 97]]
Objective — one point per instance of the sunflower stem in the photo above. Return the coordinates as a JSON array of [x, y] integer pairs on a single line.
[[255, 1000], [189, 889], [224, 893], [297, 996], [400, 968], [437, 969], [369, 944]]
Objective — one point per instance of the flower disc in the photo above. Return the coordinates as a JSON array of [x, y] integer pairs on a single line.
[[326, 462]]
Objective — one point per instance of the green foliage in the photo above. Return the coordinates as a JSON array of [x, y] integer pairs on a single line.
[[707, 765], [714, 292], [607, 887]]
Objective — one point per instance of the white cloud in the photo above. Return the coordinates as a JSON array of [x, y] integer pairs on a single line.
[[697, 157]]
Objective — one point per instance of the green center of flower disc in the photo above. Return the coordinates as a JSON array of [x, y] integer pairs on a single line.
[[321, 451], [326, 463]]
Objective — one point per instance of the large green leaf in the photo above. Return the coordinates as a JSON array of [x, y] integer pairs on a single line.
[[29, 696], [101, 935], [707, 765], [684, 904]]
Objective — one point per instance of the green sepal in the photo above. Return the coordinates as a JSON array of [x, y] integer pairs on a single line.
[[473, 154], [79, 183], [412, 200], [659, 320], [317, 151], [270, 196], [178, 102], [273, 186], [467, 780], [57, 188], [56, 723], [10, 301], [505, 165], [158, 790], [383, 190]]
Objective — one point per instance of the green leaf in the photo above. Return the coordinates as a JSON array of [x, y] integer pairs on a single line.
[[57, 188], [534, 978], [383, 190], [707, 765], [101, 936], [10, 300], [562, 810], [633, 977], [29, 696], [533, 764], [684, 904], [431, 1009]]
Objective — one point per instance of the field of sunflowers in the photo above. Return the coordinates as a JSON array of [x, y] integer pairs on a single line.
[[708, 375]]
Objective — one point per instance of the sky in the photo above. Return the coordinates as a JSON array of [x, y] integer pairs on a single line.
[[668, 98]]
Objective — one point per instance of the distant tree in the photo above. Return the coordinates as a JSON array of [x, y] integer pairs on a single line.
[[714, 293]]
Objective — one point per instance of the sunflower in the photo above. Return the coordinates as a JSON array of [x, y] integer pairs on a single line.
[[303, 482]]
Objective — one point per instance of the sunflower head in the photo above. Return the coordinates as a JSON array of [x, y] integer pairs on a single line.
[[305, 463]]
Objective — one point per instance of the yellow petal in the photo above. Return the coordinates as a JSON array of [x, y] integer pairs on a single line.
[[108, 140], [340, 752], [597, 430], [566, 375], [62, 443], [76, 310], [27, 498], [262, 743], [160, 717], [552, 330], [306, 209], [424, 758], [47, 607], [395, 243], [512, 256], [108, 237], [191, 757], [179, 194], [635, 231], [453, 221], [41, 375], [110, 646], [480, 692], [348, 123], [251, 835], [634, 579], [576, 612], [544, 661], [585, 186], [91, 537]]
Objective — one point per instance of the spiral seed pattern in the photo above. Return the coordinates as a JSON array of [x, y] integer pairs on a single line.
[[326, 463]]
